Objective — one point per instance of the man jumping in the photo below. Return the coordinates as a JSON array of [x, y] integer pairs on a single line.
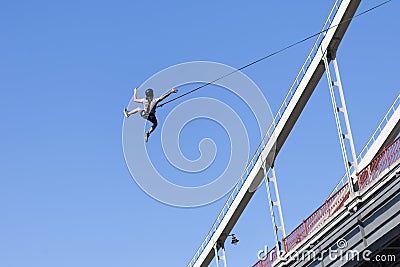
[[149, 110]]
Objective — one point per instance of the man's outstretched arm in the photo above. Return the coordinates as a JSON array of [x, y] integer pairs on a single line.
[[135, 99], [173, 90]]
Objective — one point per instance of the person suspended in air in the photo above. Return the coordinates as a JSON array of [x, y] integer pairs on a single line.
[[149, 110]]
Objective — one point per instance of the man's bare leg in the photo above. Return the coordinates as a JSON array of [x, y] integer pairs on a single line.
[[133, 111], [152, 128]]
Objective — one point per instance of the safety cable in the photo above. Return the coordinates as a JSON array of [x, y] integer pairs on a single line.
[[275, 53]]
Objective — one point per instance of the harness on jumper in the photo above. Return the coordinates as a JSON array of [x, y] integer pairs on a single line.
[[146, 113]]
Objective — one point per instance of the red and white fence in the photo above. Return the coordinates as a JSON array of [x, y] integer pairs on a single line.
[[317, 219], [379, 164]]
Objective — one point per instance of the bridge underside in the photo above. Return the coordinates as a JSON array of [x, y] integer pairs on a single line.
[[384, 249], [369, 224]]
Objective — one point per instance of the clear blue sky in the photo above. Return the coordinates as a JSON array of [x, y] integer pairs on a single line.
[[67, 69]]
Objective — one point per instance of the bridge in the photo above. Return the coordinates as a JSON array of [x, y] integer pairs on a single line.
[[365, 197], [365, 222]]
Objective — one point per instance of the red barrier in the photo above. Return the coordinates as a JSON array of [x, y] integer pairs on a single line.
[[379, 164], [295, 237], [315, 220], [393, 152]]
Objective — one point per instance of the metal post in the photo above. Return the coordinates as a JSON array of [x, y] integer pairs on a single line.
[[216, 254], [349, 135], [222, 257], [343, 110], [278, 200], [276, 227]]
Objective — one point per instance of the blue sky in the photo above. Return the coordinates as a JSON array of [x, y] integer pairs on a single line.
[[67, 69]]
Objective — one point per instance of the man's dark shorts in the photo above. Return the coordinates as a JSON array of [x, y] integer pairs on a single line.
[[150, 117]]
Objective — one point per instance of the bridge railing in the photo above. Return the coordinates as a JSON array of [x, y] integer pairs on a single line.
[[268, 134], [379, 164], [380, 127], [371, 140], [317, 218]]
